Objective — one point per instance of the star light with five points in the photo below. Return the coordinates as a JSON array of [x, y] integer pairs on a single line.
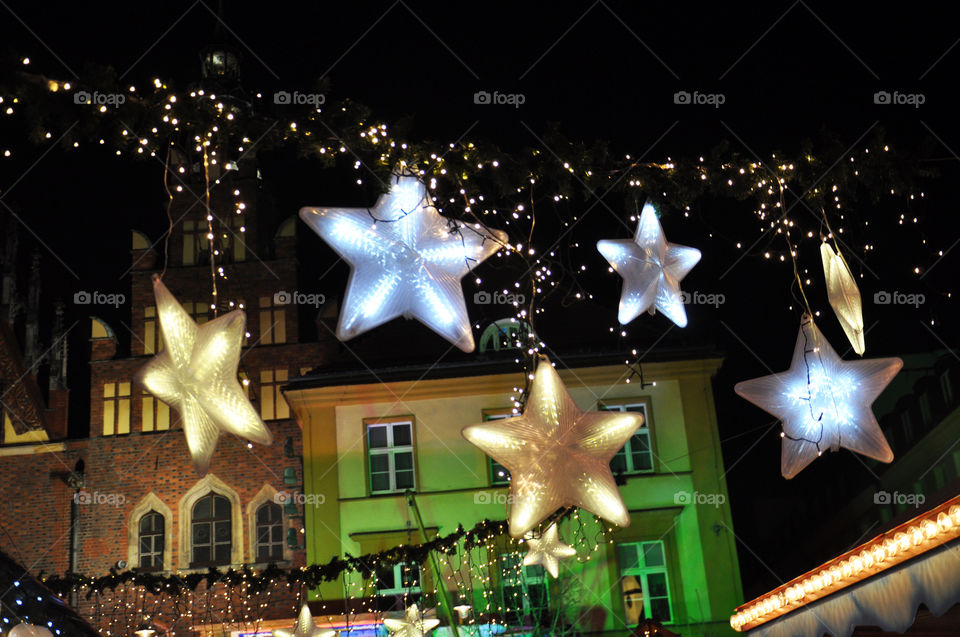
[[547, 550], [412, 625], [196, 374], [557, 454], [652, 269], [304, 627], [406, 260], [823, 401]]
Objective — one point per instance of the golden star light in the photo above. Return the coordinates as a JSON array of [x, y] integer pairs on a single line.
[[547, 550], [412, 625], [196, 374], [557, 454], [823, 401], [652, 269], [406, 260]]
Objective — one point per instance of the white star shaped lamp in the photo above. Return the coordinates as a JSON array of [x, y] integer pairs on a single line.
[[823, 401], [304, 627], [547, 550], [412, 625], [557, 454], [652, 269], [406, 260], [196, 374]]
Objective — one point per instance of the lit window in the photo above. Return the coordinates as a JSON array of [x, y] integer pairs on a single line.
[[269, 532], [211, 531], [116, 408], [152, 340], [232, 242], [636, 456], [199, 312], [499, 475], [154, 415], [273, 406], [390, 448], [398, 579], [644, 583], [151, 541], [524, 592], [273, 327]]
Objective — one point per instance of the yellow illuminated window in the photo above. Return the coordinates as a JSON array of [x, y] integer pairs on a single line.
[[152, 341], [116, 408], [273, 327], [155, 414], [273, 406]]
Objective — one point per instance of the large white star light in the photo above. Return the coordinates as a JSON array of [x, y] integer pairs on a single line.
[[304, 627], [652, 269], [196, 374], [412, 625], [823, 401], [557, 454], [406, 260]]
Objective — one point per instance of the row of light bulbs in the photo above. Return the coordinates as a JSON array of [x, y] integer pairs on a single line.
[[886, 551]]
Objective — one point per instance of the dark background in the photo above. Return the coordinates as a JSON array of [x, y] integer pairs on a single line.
[[601, 71]]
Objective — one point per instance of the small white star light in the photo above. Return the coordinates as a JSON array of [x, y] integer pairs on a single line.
[[412, 625], [844, 296], [823, 401], [304, 627], [547, 550], [652, 269], [196, 374], [557, 455], [406, 260]]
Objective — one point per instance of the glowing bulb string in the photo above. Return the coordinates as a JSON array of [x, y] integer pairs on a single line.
[[805, 322], [166, 188], [210, 234]]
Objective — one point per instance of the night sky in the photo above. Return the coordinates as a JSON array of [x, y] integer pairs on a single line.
[[601, 71]]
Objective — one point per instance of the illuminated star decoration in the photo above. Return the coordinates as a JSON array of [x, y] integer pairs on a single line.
[[196, 374], [844, 296], [304, 627], [412, 625], [557, 455], [406, 260], [652, 269], [828, 411], [547, 550]]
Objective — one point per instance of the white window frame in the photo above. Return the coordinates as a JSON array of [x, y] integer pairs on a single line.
[[628, 447], [642, 572], [529, 576], [398, 578], [390, 451], [491, 463]]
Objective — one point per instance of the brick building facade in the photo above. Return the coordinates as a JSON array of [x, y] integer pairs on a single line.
[[130, 486]]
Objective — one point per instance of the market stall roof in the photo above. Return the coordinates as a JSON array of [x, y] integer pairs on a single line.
[[880, 583]]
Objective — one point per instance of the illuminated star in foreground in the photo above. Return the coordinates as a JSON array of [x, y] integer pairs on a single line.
[[823, 401], [652, 269], [406, 260], [196, 374], [412, 625], [304, 627], [557, 455], [547, 550]]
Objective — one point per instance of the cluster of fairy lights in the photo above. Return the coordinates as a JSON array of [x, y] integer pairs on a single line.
[[216, 144], [886, 551], [487, 589]]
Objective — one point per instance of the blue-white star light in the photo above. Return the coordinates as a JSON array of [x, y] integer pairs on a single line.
[[406, 260], [824, 401], [652, 269]]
